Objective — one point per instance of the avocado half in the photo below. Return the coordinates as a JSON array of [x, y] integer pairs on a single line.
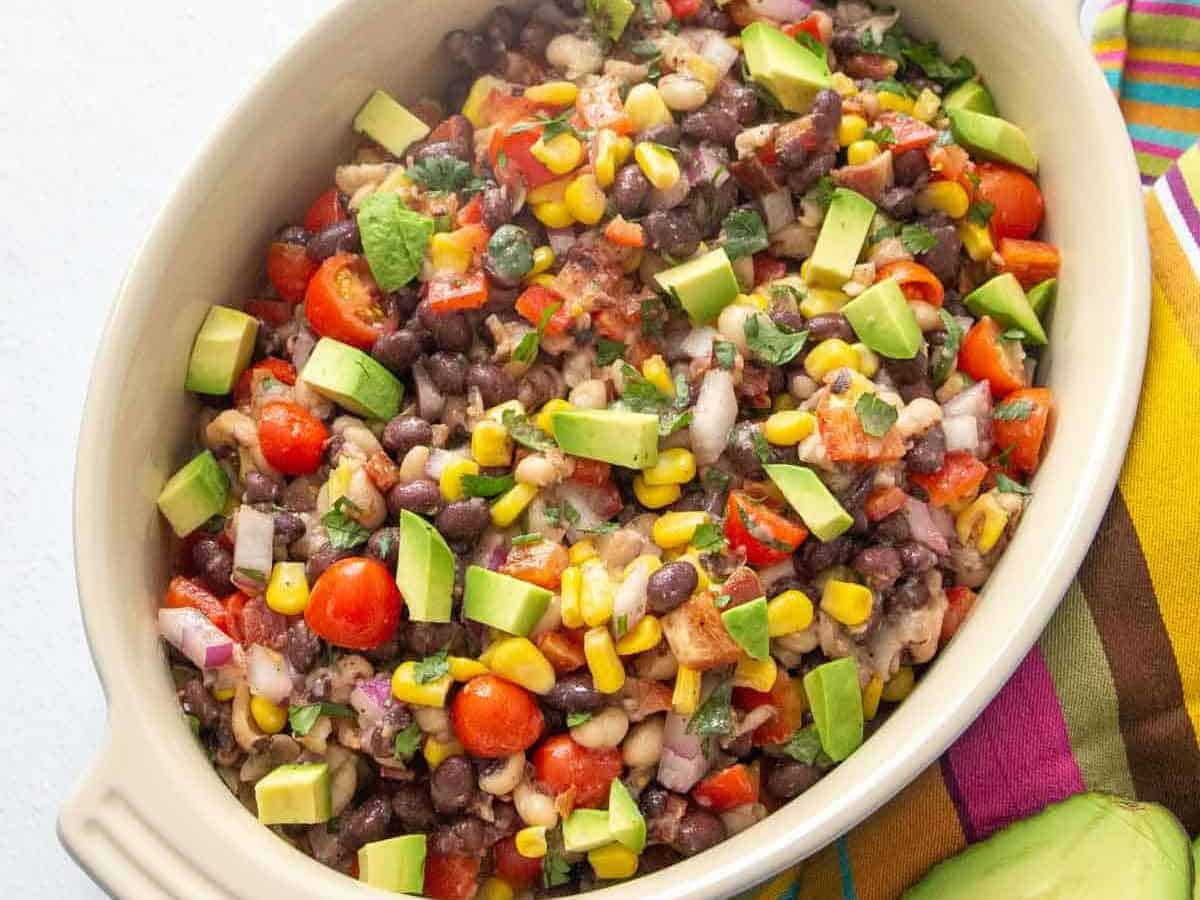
[[1089, 847]]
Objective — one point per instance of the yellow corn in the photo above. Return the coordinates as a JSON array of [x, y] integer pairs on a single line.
[[270, 717], [606, 149], [608, 674], [819, 301], [480, 90], [655, 496], [463, 668], [646, 107], [949, 197], [646, 561], [496, 413], [693, 556], [868, 361], [521, 662], [658, 165], [406, 688], [674, 466], [735, 42], [655, 371], [847, 602], [844, 84], [496, 888], [572, 583], [545, 418], [490, 444], [550, 192], [287, 591], [531, 841], [582, 551], [339, 481], [788, 613], [448, 254], [976, 240], [437, 752], [223, 694], [686, 696], [613, 861], [584, 199], [554, 214], [596, 594], [786, 429], [624, 149], [452, 476], [756, 674], [553, 93], [861, 152], [561, 154], [645, 635], [675, 529], [896, 102], [543, 260], [702, 70], [900, 685], [506, 510], [851, 130], [870, 697], [830, 354], [983, 522], [927, 106]]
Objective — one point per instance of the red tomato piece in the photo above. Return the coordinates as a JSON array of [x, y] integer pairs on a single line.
[[684, 9], [326, 210], [472, 213], [289, 269], [251, 621], [186, 593], [493, 717], [624, 233], [909, 133], [846, 441], [451, 876], [917, 282], [592, 471], [811, 25], [1031, 261], [533, 303], [765, 535], [541, 563], [960, 601], [449, 291], [564, 650], [959, 478], [562, 764], [788, 699], [291, 437], [504, 109], [768, 268], [518, 158], [1015, 198], [344, 303], [273, 312], [355, 604], [519, 871], [950, 162], [279, 369], [734, 786], [1024, 436], [985, 355], [600, 106], [884, 501]]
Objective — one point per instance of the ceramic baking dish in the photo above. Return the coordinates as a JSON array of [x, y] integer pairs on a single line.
[[151, 819]]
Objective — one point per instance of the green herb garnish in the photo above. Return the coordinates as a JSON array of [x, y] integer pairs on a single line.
[[525, 432], [344, 532], [443, 175], [708, 538], [804, 746], [877, 416], [1006, 485], [407, 742], [608, 351], [431, 668], [522, 539], [980, 212], [776, 345], [303, 718], [917, 239], [745, 233], [1013, 411], [487, 485], [725, 353], [714, 718], [578, 718], [947, 353]]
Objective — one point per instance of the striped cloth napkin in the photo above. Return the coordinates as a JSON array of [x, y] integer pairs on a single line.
[[1109, 699]]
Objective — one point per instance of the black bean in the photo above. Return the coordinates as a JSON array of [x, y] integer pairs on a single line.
[[260, 488], [497, 208], [448, 371], [501, 26], [712, 123], [495, 385], [299, 495], [916, 557], [670, 586], [899, 202], [452, 785], [403, 301], [826, 114], [655, 858], [945, 259], [894, 528], [574, 693], [397, 351], [413, 807], [425, 638], [708, 204], [292, 234], [673, 232], [303, 648], [788, 778], [403, 433], [535, 38], [909, 167], [267, 341], [908, 371], [911, 593], [464, 520], [814, 557], [738, 100], [321, 559], [818, 166], [630, 190], [667, 134], [928, 453], [743, 453], [363, 825], [540, 385], [215, 565], [879, 565], [200, 703], [470, 49], [845, 41], [384, 545], [829, 325], [698, 831], [741, 746], [922, 388], [421, 496], [289, 528], [338, 237], [450, 331]]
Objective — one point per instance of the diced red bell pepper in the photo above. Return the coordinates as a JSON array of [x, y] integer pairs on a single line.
[[600, 106], [916, 281], [273, 312], [722, 791], [185, 593], [564, 650], [789, 702], [451, 876], [959, 603], [950, 162], [1031, 261], [883, 501], [591, 471], [449, 291], [625, 234], [908, 133], [279, 369], [811, 25], [958, 479], [251, 621], [986, 355], [518, 158], [472, 213], [684, 9], [765, 535], [503, 109], [767, 268], [541, 563], [289, 269], [1024, 436], [533, 303], [846, 441]]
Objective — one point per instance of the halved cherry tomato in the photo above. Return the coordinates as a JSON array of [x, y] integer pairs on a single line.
[[950, 162], [562, 764], [959, 603], [273, 312], [251, 621], [1015, 198], [519, 871], [810, 25], [518, 160], [541, 563], [600, 106], [186, 593], [917, 282], [684, 9], [768, 268], [1024, 436], [449, 291], [344, 303], [959, 478], [765, 535], [734, 786], [985, 355], [279, 369], [451, 876], [472, 213], [326, 210], [533, 303], [591, 471], [787, 697], [846, 441], [564, 650], [291, 438], [908, 133], [289, 269], [883, 501], [1031, 261], [355, 604], [493, 717], [625, 234]]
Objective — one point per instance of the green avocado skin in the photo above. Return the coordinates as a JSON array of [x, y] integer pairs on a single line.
[[1089, 847], [1196, 870]]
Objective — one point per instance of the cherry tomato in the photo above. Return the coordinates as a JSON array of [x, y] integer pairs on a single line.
[[273, 312], [279, 369], [562, 764], [958, 479], [502, 108], [344, 303], [449, 291], [917, 282], [1024, 436], [533, 303], [564, 650], [291, 438], [985, 355], [519, 871], [541, 563], [1032, 262], [734, 786], [472, 213], [493, 717], [684, 9], [518, 162], [451, 876], [289, 269], [883, 501], [1015, 198], [959, 603], [251, 621], [950, 162], [184, 593], [355, 604], [765, 535], [811, 25], [787, 697], [326, 210], [908, 133]]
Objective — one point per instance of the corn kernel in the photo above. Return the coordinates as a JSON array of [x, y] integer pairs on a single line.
[[756, 674], [585, 200], [896, 102], [512, 504], [451, 481], [686, 696], [543, 260], [645, 635], [786, 429], [982, 523], [270, 717], [900, 685], [531, 841], [693, 556], [545, 418], [448, 254], [646, 561], [595, 594], [646, 107], [735, 42], [613, 861], [496, 888], [851, 130], [437, 752], [828, 355], [655, 496], [847, 602], [870, 697], [287, 591], [552, 93], [655, 371], [561, 154], [820, 301], [545, 280], [608, 673], [480, 91], [675, 529], [463, 668], [861, 152], [582, 551], [949, 197], [569, 589], [788, 613], [976, 240], [339, 481], [844, 84], [223, 694], [868, 361], [927, 106], [554, 214], [521, 662], [605, 150], [550, 192], [674, 466], [658, 165], [624, 149], [407, 689], [490, 444]]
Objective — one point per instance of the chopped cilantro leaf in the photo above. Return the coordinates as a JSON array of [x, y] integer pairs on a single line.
[[608, 351], [525, 432], [522, 539], [725, 352], [578, 718], [877, 416], [980, 212], [303, 718], [1006, 485], [1013, 411], [773, 344], [431, 668], [745, 233], [917, 239], [883, 135], [442, 174], [407, 742], [714, 718], [344, 532], [487, 485], [708, 538], [947, 353]]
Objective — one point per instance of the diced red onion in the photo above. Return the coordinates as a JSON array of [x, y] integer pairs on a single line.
[[561, 240], [583, 500], [870, 179], [629, 600], [781, 10], [267, 674], [698, 343], [191, 633], [683, 762], [719, 52], [430, 401], [922, 528], [302, 347], [253, 550], [975, 401], [677, 737], [715, 413], [942, 521], [778, 210], [660, 201], [371, 696], [962, 433]]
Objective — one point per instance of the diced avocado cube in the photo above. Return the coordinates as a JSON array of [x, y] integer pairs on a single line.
[[504, 602], [353, 380], [586, 829], [626, 823], [841, 240], [613, 436], [221, 352], [809, 497], [993, 138], [1042, 296], [389, 124], [394, 239], [704, 285], [295, 795], [194, 494], [396, 864], [835, 698], [790, 71], [883, 320], [1004, 300], [971, 96], [609, 17], [747, 624], [424, 570]]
